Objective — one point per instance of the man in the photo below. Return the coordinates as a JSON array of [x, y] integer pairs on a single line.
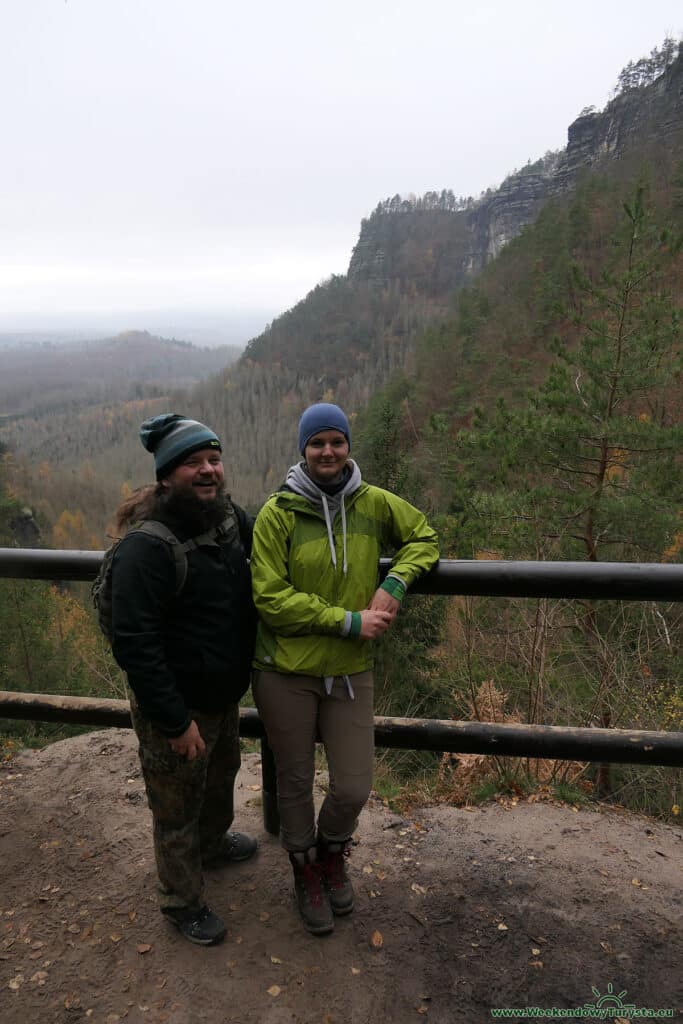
[[185, 639]]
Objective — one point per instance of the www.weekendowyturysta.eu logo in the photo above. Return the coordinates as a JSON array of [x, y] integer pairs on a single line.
[[609, 1005]]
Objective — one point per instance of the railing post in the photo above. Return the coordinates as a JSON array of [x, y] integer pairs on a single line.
[[271, 813]]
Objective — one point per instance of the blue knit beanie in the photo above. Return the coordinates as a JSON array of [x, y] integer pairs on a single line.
[[171, 438], [322, 416]]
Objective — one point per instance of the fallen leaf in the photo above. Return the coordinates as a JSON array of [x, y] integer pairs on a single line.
[[376, 940], [636, 881], [535, 951], [355, 970], [132, 914], [381, 875], [16, 982], [40, 977], [115, 938], [502, 927], [72, 1002], [418, 888], [423, 1010], [143, 947], [275, 960], [274, 991], [368, 869], [676, 810], [254, 789], [606, 946], [535, 963]]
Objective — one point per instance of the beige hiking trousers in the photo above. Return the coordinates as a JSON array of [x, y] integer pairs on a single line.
[[297, 709]]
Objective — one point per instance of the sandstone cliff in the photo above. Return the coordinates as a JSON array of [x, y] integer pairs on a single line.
[[454, 244]]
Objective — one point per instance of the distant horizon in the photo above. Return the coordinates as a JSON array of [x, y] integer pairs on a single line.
[[207, 328]]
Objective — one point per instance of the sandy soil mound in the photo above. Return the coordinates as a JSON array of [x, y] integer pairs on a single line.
[[458, 911]]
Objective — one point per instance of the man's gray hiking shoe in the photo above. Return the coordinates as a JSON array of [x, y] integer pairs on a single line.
[[234, 848], [200, 925], [332, 858], [312, 897]]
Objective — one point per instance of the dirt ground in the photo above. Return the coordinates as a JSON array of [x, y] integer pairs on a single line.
[[537, 905]]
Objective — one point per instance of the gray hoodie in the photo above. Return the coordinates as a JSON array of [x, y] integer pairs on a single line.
[[331, 505]]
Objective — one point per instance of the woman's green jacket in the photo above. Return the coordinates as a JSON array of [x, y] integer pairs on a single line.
[[302, 599]]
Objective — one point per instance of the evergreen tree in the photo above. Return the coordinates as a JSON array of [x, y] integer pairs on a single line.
[[591, 467]]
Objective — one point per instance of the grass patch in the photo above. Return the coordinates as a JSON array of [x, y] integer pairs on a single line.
[[570, 794]]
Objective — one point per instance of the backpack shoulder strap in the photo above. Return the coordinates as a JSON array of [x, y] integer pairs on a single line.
[[153, 528], [219, 533]]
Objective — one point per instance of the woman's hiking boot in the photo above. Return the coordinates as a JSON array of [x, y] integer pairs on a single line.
[[332, 857], [199, 925], [311, 895]]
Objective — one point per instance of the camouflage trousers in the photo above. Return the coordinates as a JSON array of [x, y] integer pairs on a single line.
[[191, 801]]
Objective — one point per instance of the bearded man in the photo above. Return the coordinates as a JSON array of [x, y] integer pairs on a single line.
[[184, 637]]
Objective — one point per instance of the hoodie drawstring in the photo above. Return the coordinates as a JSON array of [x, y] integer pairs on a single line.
[[330, 535], [343, 522]]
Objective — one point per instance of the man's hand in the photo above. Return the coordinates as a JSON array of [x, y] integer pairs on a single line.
[[373, 623], [382, 601], [189, 744]]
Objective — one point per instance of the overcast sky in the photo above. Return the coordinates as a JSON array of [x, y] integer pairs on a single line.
[[211, 157]]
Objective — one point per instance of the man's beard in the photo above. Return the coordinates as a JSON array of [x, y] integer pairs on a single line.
[[198, 515]]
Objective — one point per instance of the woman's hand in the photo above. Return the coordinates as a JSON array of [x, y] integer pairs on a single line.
[[189, 744], [382, 601], [374, 622]]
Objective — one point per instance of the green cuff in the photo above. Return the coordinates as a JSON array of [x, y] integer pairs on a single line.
[[354, 629], [393, 586]]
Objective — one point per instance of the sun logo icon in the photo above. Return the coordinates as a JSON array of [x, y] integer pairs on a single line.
[[610, 998]]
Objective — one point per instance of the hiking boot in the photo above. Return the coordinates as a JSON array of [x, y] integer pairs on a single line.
[[199, 925], [332, 857], [234, 847], [311, 895]]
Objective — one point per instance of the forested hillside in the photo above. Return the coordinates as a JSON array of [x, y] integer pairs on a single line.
[[36, 379], [355, 333], [69, 409], [415, 269]]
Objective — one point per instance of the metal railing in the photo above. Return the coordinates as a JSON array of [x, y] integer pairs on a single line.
[[587, 580]]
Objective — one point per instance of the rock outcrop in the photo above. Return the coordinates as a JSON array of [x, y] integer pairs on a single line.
[[457, 243]]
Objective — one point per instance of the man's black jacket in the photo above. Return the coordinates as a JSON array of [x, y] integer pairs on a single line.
[[193, 650]]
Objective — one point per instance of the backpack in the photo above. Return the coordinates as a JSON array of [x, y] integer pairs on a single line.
[[101, 588]]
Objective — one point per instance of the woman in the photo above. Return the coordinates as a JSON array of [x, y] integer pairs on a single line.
[[314, 567]]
